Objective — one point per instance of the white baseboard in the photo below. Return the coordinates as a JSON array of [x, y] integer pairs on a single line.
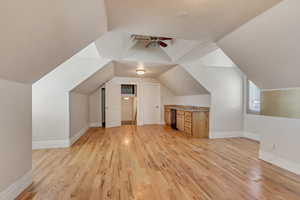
[[95, 124], [113, 124], [78, 135], [17, 187], [50, 144], [252, 136], [225, 134], [280, 162]]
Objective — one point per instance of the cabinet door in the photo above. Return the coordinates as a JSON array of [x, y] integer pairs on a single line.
[[168, 117], [180, 123]]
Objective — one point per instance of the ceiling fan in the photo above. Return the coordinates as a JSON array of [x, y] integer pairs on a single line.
[[152, 41]]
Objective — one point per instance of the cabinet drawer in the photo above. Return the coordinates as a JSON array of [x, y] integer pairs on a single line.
[[188, 119], [180, 112], [188, 124], [188, 116]]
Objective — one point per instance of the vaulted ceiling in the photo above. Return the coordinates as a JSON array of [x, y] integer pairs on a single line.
[[37, 36], [181, 83], [202, 20], [175, 78], [267, 48], [120, 46], [128, 69]]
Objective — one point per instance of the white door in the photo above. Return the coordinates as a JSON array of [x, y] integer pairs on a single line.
[[113, 104], [151, 96]]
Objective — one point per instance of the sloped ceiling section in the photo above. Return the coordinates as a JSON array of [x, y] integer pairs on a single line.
[[120, 46], [205, 20], [96, 80], [175, 78], [37, 36], [217, 58], [128, 69], [181, 83], [267, 48]]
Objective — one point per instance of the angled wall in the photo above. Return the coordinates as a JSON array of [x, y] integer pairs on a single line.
[[38, 36], [181, 82], [79, 115], [267, 50], [15, 138], [51, 97], [95, 109], [225, 85]]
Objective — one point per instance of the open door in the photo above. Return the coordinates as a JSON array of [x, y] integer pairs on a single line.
[[113, 104]]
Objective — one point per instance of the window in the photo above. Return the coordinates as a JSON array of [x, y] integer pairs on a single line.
[[254, 97], [128, 89]]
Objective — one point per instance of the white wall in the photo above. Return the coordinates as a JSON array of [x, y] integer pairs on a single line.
[[181, 83], [168, 98], [193, 100], [15, 137], [139, 82], [226, 87], [51, 97], [79, 114], [95, 117], [279, 139]]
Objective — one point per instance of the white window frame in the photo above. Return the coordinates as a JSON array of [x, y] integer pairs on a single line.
[[254, 99]]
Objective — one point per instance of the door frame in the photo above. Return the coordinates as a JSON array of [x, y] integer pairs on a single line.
[[143, 102]]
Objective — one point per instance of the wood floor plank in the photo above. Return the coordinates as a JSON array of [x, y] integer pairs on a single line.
[[154, 163]]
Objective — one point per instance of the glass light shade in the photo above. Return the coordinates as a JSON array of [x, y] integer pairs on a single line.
[[140, 71]]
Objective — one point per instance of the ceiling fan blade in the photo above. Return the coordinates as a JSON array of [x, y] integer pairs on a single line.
[[162, 44], [165, 38], [149, 44]]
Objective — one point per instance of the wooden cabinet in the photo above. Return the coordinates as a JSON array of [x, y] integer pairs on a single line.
[[193, 122], [200, 122], [180, 121], [168, 116]]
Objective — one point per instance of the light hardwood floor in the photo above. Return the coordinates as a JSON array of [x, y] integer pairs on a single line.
[[153, 163]]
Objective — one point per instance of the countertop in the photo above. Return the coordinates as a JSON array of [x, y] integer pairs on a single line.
[[198, 109]]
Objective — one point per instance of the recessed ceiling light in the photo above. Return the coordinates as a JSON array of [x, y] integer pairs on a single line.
[[126, 98], [140, 71]]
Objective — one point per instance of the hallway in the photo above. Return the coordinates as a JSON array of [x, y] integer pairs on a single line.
[[155, 162]]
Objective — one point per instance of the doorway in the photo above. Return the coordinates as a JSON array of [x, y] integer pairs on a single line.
[[129, 110], [129, 104], [103, 106]]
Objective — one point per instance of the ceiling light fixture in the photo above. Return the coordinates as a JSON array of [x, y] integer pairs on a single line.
[[140, 71]]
